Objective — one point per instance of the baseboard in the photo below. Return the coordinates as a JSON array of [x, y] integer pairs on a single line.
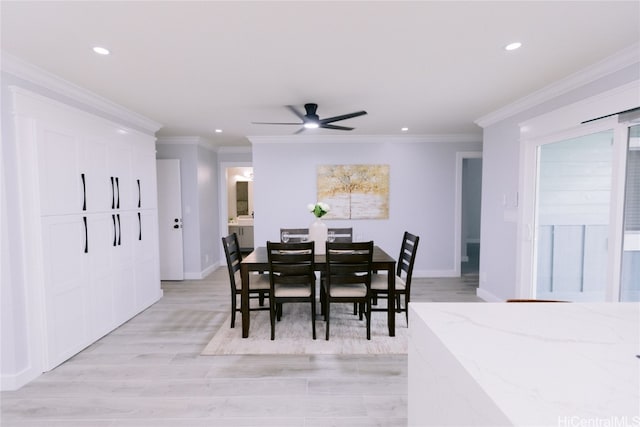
[[435, 273], [9, 382], [202, 274], [487, 296]]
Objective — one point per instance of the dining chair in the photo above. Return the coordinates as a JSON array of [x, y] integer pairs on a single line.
[[347, 279], [404, 271], [342, 235], [258, 283], [296, 235], [292, 278]]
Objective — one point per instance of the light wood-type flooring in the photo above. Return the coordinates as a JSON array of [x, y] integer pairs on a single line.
[[149, 372]]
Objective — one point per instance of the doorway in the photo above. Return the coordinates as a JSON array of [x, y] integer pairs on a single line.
[[470, 226], [233, 219], [467, 213]]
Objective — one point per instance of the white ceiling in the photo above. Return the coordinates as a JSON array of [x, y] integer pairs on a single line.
[[433, 67]]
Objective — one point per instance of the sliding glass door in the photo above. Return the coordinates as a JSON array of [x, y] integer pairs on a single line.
[[630, 263], [581, 214], [572, 217]]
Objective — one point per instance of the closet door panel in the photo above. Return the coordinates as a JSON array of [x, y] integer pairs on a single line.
[[102, 234], [98, 190], [119, 165], [60, 175], [144, 175], [65, 286], [147, 280]]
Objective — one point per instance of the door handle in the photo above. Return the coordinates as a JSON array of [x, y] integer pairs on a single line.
[[113, 195], [86, 235], [84, 193], [139, 194], [118, 187], [119, 231], [115, 236], [139, 226]]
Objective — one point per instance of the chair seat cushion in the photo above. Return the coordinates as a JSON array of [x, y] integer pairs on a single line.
[[292, 290], [357, 290], [379, 282], [256, 281]]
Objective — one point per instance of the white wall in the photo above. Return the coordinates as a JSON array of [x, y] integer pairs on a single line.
[[209, 214], [500, 179], [422, 189]]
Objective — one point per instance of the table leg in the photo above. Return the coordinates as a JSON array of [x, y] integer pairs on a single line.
[[244, 300], [391, 304]]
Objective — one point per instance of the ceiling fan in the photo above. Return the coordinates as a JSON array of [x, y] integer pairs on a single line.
[[311, 120]]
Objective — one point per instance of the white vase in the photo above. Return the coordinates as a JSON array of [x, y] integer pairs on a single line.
[[318, 234]]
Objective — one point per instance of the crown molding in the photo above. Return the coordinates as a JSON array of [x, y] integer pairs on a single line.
[[234, 150], [611, 64], [338, 139], [26, 71], [186, 140]]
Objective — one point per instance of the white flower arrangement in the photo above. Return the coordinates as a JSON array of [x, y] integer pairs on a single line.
[[319, 209]]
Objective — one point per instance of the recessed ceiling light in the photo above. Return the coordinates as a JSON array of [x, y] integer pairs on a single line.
[[513, 46], [218, 130], [404, 129], [101, 50]]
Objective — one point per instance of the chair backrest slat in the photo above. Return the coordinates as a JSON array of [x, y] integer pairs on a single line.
[[232, 252], [296, 235], [407, 257], [343, 235], [291, 263], [349, 263]]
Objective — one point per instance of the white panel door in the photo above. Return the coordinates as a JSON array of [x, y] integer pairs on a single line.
[[146, 257], [170, 219], [65, 250], [60, 175], [144, 176]]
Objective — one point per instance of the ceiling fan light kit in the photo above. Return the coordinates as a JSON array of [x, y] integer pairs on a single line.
[[311, 120]]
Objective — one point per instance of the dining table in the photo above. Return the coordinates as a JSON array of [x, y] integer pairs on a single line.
[[257, 261]]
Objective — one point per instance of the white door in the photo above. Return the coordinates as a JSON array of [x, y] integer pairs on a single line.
[[170, 219]]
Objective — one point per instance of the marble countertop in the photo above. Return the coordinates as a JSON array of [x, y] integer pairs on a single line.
[[540, 362]]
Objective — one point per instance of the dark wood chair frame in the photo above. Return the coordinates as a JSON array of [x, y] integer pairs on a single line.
[[234, 257], [343, 235], [296, 235], [404, 270], [347, 264], [291, 264]]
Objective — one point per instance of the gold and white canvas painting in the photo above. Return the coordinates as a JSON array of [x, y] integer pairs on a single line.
[[354, 191]]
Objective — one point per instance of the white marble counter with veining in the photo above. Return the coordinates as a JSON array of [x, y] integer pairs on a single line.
[[524, 364]]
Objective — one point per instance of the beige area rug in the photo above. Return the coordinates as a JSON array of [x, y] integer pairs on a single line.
[[348, 335]]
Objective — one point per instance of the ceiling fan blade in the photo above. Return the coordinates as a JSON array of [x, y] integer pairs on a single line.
[[272, 123], [295, 111], [325, 126], [302, 129], [343, 117]]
